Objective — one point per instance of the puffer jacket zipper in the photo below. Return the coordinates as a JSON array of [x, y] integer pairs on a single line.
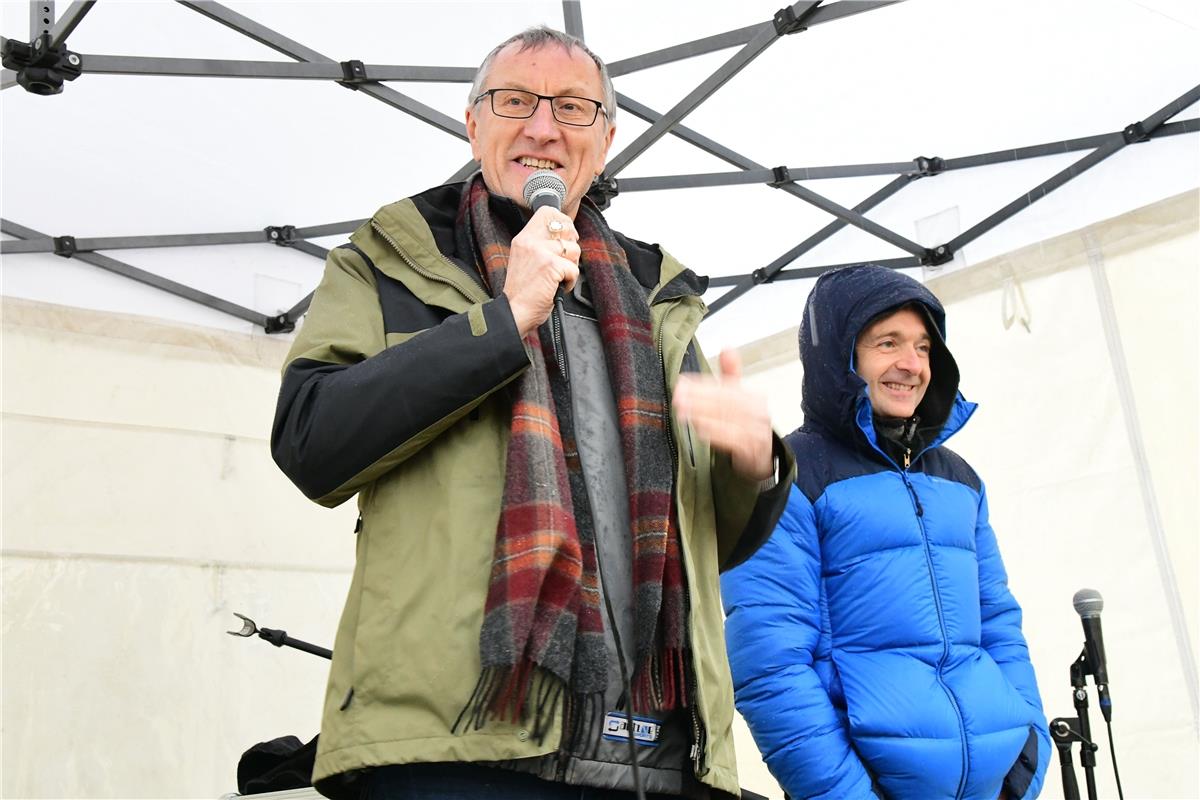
[[937, 601]]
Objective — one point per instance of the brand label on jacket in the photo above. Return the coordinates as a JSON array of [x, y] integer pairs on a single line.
[[646, 731]]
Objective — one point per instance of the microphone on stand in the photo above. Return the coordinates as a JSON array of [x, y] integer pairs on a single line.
[[1088, 604]]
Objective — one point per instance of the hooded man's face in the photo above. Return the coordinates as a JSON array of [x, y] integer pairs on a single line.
[[892, 356]]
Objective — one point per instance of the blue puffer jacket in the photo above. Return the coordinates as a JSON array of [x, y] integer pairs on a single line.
[[875, 646]]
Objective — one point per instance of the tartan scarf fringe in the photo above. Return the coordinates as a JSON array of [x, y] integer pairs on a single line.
[[660, 682], [515, 693]]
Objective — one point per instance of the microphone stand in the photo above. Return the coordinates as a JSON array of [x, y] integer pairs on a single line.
[[278, 638], [1066, 730]]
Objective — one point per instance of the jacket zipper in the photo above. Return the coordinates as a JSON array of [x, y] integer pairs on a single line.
[[698, 752], [937, 600], [556, 337], [422, 271]]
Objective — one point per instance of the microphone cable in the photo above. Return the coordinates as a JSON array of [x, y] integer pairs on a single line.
[[1112, 752]]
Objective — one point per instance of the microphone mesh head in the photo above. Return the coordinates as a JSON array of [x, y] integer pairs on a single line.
[[1088, 603], [544, 180]]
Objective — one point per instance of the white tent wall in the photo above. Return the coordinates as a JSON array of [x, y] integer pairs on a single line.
[[141, 509], [1059, 451]]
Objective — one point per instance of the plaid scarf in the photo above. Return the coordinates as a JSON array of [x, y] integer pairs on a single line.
[[542, 632]]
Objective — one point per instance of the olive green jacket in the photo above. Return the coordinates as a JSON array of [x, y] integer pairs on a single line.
[[406, 655]]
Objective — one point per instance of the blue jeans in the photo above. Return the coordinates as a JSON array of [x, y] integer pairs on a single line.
[[472, 781]]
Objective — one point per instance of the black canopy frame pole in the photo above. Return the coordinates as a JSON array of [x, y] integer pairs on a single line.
[[699, 180], [766, 36], [781, 179], [737, 37], [743, 284], [1136, 132], [1109, 144], [67, 22], [752, 39], [142, 276], [355, 79]]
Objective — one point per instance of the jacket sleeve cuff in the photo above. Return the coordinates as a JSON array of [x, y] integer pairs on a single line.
[[768, 507], [1020, 775]]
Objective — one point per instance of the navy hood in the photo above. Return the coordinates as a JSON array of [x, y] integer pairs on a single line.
[[839, 307]]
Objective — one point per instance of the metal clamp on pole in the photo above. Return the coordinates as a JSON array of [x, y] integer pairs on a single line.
[[40, 68], [1065, 731], [353, 73], [65, 246], [787, 22], [280, 323], [602, 191], [282, 235], [936, 256], [927, 166], [782, 176], [1135, 133]]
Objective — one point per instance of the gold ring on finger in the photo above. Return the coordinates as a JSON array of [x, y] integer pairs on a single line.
[[556, 227]]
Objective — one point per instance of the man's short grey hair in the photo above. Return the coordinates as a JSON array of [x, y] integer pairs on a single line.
[[541, 36]]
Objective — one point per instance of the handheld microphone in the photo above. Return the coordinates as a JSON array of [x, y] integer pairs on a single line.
[[1088, 604], [544, 188]]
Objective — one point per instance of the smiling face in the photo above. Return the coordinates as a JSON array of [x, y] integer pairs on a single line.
[[892, 356], [509, 150]]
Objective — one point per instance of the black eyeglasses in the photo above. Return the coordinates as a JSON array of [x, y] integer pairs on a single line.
[[520, 104]]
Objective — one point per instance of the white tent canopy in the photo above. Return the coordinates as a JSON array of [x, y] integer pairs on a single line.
[[135, 420]]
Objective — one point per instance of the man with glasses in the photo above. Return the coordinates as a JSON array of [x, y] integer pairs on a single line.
[[545, 500]]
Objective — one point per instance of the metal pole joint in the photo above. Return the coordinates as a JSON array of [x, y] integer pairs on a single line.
[[1135, 133], [65, 246], [927, 165], [353, 73], [280, 323], [782, 176], [41, 68], [602, 191], [787, 22], [282, 235], [936, 256]]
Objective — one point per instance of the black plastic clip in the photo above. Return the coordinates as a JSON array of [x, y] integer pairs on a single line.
[[1135, 133], [41, 69], [65, 246], [936, 256], [602, 191], [759, 276], [782, 176], [280, 323], [282, 235], [353, 73], [929, 165], [786, 21]]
